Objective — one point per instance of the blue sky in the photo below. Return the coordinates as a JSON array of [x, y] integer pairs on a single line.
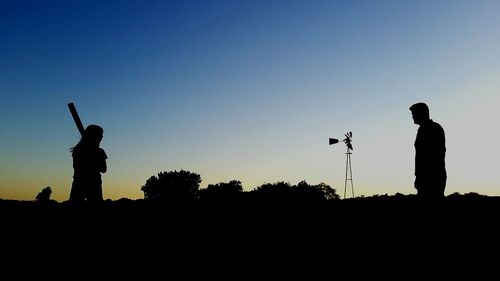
[[247, 90]]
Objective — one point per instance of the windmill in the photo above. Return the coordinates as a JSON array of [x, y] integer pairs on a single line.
[[348, 168]]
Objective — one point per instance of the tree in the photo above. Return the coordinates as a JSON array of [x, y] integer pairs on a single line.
[[321, 191], [300, 192], [222, 191], [233, 186], [329, 192], [277, 192], [277, 187], [172, 186]]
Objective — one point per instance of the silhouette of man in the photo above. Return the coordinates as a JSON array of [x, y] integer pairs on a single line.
[[89, 161], [430, 150]]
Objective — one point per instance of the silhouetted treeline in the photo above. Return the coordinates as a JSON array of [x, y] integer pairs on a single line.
[[247, 230], [183, 187], [222, 224], [268, 199]]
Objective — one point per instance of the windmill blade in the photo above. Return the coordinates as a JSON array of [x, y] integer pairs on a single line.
[[350, 134]]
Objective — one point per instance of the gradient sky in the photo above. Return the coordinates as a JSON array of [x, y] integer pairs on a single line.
[[248, 90]]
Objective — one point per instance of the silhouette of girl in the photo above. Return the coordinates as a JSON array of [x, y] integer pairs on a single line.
[[89, 161]]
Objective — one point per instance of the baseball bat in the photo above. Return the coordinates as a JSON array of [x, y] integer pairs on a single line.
[[76, 117]]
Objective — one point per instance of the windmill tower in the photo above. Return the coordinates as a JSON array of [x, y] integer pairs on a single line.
[[348, 168]]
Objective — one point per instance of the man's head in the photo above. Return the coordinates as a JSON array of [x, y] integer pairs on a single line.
[[419, 113]]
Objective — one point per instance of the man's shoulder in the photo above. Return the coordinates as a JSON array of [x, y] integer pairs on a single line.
[[430, 127], [431, 124], [436, 125], [103, 153], [436, 129]]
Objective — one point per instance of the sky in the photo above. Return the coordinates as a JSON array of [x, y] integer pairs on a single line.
[[248, 90]]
